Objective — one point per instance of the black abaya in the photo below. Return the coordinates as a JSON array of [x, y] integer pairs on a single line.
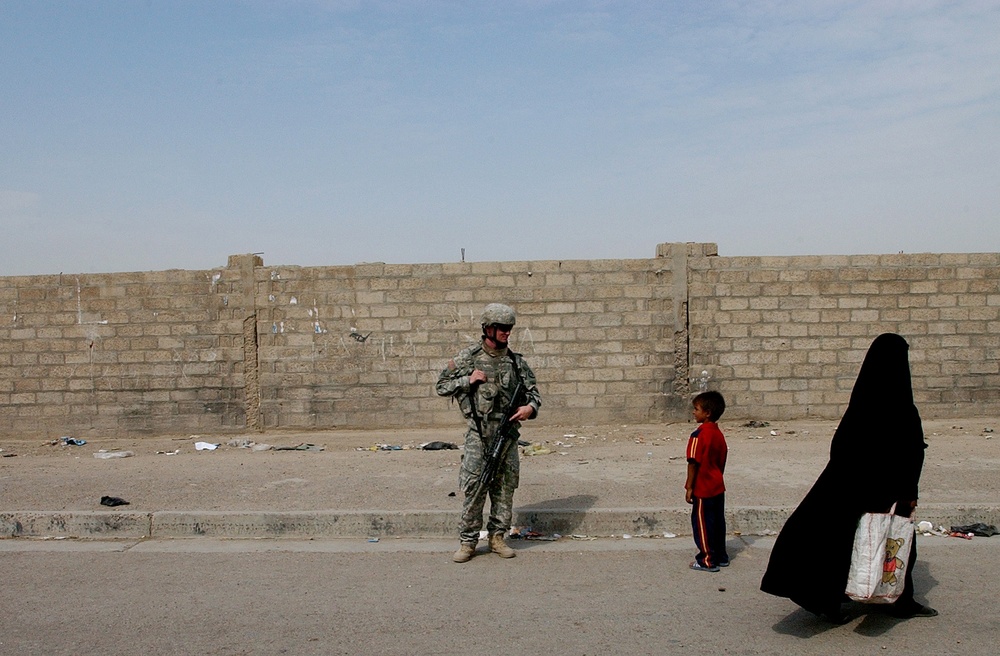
[[876, 456]]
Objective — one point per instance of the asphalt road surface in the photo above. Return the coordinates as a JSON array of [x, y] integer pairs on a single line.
[[607, 596]]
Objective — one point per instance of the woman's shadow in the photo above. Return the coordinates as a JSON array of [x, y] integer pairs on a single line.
[[877, 619]]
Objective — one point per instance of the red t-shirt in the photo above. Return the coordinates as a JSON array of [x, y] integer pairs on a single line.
[[707, 447]]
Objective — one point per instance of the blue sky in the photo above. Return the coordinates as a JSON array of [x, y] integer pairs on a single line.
[[155, 135]]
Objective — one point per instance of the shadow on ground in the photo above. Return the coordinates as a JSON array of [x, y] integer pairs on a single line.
[[556, 516], [875, 618]]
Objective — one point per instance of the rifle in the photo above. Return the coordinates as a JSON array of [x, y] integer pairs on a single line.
[[495, 454]]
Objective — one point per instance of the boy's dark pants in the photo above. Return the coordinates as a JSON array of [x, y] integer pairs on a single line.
[[708, 520]]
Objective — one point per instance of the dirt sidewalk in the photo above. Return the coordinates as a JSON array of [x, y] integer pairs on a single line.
[[600, 467]]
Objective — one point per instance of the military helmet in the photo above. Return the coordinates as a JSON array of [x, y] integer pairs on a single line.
[[499, 313]]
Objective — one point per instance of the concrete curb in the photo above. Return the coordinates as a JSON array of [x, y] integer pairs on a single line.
[[602, 522]]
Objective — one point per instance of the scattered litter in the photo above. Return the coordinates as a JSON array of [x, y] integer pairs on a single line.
[[205, 446], [536, 450], [753, 423], [113, 501], [168, 453], [523, 443], [70, 441], [107, 455], [451, 494], [958, 534], [668, 534], [577, 536], [570, 435], [980, 529], [774, 432], [246, 443], [525, 533], [438, 446], [926, 528], [298, 447], [987, 430], [373, 539], [626, 536]]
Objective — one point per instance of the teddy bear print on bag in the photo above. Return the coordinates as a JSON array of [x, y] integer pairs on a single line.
[[892, 564]]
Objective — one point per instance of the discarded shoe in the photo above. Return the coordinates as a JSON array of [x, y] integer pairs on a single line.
[[113, 501], [698, 567]]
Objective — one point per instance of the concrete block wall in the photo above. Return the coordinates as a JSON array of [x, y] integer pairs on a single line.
[[362, 345], [784, 337], [119, 353], [254, 347]]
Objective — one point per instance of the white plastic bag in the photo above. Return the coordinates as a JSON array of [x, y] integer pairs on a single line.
[[880, 557]]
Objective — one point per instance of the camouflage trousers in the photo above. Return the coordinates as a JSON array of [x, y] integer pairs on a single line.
[[501, 492]]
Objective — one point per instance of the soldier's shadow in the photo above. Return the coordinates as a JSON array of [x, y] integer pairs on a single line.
[[550, 518]]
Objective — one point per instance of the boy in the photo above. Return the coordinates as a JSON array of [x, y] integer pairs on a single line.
[[705, 488]]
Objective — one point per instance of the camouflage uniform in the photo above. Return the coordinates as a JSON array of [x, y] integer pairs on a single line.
[[491, 399]]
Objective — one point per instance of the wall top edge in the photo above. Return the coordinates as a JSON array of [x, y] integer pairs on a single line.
[[695, 249]]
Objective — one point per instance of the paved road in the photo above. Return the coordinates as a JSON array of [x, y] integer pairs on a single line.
[[227, 597]]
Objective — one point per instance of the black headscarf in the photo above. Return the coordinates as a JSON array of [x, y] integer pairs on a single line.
[[876, 456]]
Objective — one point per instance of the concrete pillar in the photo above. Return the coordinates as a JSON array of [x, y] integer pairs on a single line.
[[245, 265], [676, 255]]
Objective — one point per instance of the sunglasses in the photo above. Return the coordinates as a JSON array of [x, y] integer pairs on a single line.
[[503, 327]]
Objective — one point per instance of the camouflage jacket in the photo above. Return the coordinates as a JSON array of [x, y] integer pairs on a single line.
[[492, 397]]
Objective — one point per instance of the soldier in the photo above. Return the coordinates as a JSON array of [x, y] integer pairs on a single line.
[[483, 379]]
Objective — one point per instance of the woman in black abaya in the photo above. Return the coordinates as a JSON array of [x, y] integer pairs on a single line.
[[876, 456]]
